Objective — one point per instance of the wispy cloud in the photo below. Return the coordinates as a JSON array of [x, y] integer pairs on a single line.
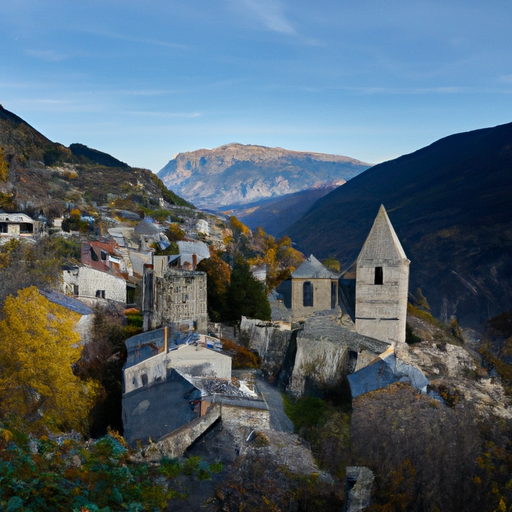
[[164, 114], [507, 79], [148, 92], [271, 14], [47, 55], [133, 39]]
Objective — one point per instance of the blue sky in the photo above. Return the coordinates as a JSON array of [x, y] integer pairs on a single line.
[[143, 80]]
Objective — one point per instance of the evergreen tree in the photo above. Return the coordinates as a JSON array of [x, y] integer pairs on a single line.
[[246, 296]]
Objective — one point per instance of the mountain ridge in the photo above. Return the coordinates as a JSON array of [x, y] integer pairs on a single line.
[[449, 205], [235, 174], [36, 173]]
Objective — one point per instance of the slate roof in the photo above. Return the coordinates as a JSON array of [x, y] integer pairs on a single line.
[[385, 370], [313, 269], [146, 228], [67, 302], [382, 241], [189, 248]]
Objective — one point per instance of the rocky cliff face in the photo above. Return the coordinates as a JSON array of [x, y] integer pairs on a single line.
[[271, 340], [242, 174]]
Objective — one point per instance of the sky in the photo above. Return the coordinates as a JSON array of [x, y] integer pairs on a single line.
[[145, 79]]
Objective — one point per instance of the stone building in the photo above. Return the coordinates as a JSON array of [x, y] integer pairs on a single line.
[[312, 287], [14, 225], [173, 296], [81, 315], [172, 385], [91, 283], [382, 283]]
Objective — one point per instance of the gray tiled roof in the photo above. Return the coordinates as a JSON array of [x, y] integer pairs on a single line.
[[67, 302], [313, 269]]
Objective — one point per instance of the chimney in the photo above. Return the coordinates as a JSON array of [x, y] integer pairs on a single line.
[[194, 261]]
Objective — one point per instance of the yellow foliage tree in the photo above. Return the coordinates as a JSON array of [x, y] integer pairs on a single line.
[[4, 167], [38, 346]]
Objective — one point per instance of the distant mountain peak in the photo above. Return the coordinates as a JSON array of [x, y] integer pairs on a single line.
[[235, 173]]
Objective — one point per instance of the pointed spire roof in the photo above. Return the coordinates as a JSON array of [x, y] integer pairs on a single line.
[[313, 269], [382, 241]]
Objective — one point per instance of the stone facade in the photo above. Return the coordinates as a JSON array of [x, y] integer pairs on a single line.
[[14, 225], [382, 284], [236, 413], [190, 359], [312, 287], [174, 297], [89, 282], [323, 291]]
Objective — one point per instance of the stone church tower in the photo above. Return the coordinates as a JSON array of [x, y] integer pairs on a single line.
[[382, 284]]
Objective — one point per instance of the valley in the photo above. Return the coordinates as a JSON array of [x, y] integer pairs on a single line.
[[209, 298]]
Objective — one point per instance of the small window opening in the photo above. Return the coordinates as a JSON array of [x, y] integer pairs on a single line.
[[379, 276], [144, 379], [100, 294], [307, 294], [94, 256]]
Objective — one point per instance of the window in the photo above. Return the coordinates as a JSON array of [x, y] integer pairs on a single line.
[[307, 294], [100, 294], [94, 256], [144, 379], [379, 276]]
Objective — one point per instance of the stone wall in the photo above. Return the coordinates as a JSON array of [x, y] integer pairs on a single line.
[[381, 310], [91, 280], [321, 295], [323, 349], [237, 415], [180, 295]]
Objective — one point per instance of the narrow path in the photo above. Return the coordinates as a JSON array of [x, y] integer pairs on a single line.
[[278, 419]]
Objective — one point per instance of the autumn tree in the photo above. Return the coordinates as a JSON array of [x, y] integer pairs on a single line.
[[4, 167], [218, 278], [38, 346]]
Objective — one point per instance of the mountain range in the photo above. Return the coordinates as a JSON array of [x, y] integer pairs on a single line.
[[451, 208], [238, 174]]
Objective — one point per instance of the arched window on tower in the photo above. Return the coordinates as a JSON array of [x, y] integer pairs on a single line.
[[307, 294], [379, 276]]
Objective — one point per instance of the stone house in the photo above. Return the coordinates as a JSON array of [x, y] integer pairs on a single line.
[[82, 316], [312, 287], [152, 353], [173, 296], [382, 283], [17, 225], [90, 283], [171, 383], [191, 253]]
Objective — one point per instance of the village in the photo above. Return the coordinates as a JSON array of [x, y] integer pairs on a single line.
[[178, 381]]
